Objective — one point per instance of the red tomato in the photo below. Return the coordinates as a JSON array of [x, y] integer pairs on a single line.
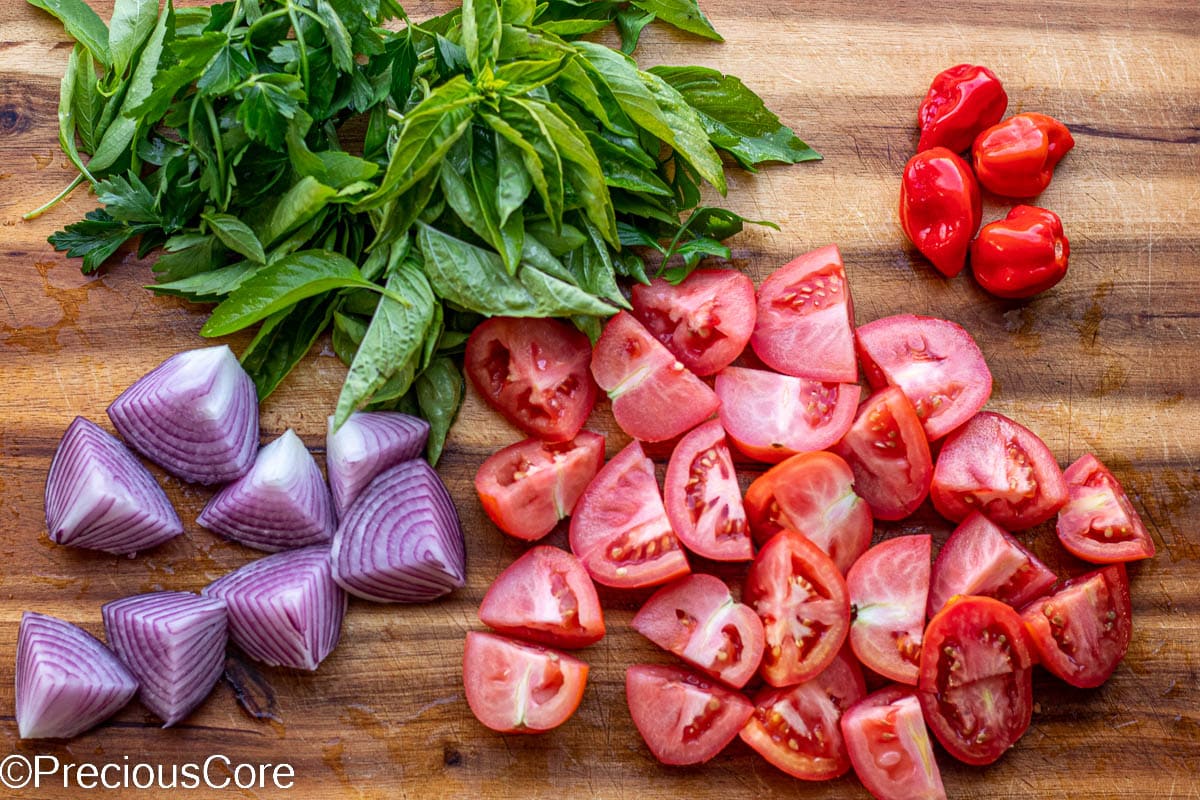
[[980, 558], [535, 373], [527, 487], [812, 493], [1017, 157], [962, 101], [620, 529], [1082, 630], [797, 728], [770, 416], [654, 396], [975, 687], [889, 454], [1000, 468], [940, 207], [547, 596], [703, 499], [1098, 523], [804, 606], [889, 587], [697, 619], [1022, 254], [934, 362], [889, 746], [805, 321], [684, 718], [705, 321], [513, 687]]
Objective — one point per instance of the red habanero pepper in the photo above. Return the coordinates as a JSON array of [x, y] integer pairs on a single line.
[[962, 101], [940, 207], [1017, 157], [1022, 254]]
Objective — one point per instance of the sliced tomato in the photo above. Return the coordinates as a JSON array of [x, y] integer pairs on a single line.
[[934, 362], [1098, 523], [514, 687], [705, 321], [697, 619], [889, 587], [980, 558], [546, 596], [801, 598], [703, 498], [889, 454], [889, 746], [527, 487], [797, 728], [684, 718], [805, 324], [654, 396], [771, 416], [812, 493], [975, 688], [1001, 468], [535, 373], [1082, 630], [620, 529]]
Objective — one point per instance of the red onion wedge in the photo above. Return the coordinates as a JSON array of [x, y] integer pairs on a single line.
[[365, 445], [195, 415], [173, 643], [401, 542], [99, 496], [67, 680], [284, 610], [281, 502]]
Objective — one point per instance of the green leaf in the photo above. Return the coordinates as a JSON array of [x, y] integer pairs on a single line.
[[523, 77], [630, 23], [623, 171], [683, 14], [577, 83], [209, 286], [193, 54], [187, 255], [597, 273], [282, 341], [514, 183], [561, 241], [66, 110], [94, 238], [570, 28], [82, 23], [236, 235], [348, 333], [517, 12], [558, 298], [337, 36], [268, 102], [303, 201], [130, 26], [481, 33], [473, 278], [127, 199], [538, 153], [229, 67], [87, 103], [439, 390]]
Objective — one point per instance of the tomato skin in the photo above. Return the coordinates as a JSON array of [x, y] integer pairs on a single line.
[[527, 487], [962, 101], [1097, 504], [534, 372], [494, 667], [889, 454], [673, 709], [940, 208], [1017, 157], [705, 321], [1021, 255], [889, 588], [889, 746], [547, 597], [703, 498]]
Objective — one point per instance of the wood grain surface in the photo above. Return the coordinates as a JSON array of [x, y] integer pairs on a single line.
[[1105, 363]]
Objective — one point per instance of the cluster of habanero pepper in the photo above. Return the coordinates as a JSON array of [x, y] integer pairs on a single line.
[[940, 203]]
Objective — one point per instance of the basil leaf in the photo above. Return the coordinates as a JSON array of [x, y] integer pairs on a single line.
[[623, 171], [630, 23], [236, 235], [282, 341], [514, 183], [130, 26], [82, 23], [303, 201], [481, 33], [517, 12], [537, 255], [557, 298], [598, 275], [522, 77], [538, 153], [439, 390], [576, 82], [437, 326], [559, 242], [348, 333], [683, 14], [210, 286], [471, 277]]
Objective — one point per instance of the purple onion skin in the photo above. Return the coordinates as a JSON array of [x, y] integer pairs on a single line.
[[173, 643], [401, 541], [285, 609], [195, 415], [100, 497], [366, 444], [67, 680], [282, 502]]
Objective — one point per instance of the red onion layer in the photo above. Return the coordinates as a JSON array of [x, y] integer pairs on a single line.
[[368, 443]]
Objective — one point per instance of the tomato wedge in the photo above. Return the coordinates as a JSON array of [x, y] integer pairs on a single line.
[[546, 596], [801, 598], [1082, 630], [812, 493], [771, 416], [889, 746], [513, 687], [980, 558], [697, 619], [805, 324], [527, 487], [683, 717], [705, 321], [934, 362], [889, 454], [654, 396], [535, 373], [1098, 523], [975, 687], [1000, 468], [620, 529], [889, 587], [797, 728], [703, 498]]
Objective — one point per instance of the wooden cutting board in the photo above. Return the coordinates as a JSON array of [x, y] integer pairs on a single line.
[[1104, 363]]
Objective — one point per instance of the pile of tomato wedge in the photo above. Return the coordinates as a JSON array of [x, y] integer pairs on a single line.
[[947, 643]]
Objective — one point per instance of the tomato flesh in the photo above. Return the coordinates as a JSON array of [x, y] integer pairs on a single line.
[[545, 596], [513, 687], [887, 450], [684, 718], [889, 587], [703, 498], [889, 746], [1098, 523]]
